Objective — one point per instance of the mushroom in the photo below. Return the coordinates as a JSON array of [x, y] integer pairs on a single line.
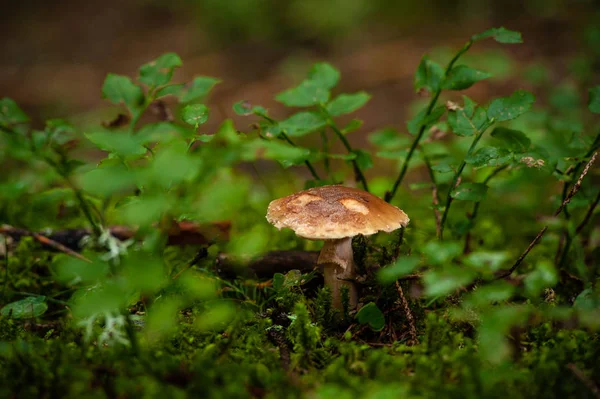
[[335, 214]]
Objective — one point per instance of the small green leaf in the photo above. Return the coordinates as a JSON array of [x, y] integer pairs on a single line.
[[443, 167], [470, 192], [11, 113], [446, 281], [195, 114], [353, 125], [198, 89], [468, 120], [507, 108], [441, 252], [159, 72], [324, 75], [110, 177], [303, 123], [514, 140], [169, 90], [347, 103], [400, 268], [121, 144], [429, 75], [422, 120], [307, 94], [33, 306], [544, 276], [501, 35], [120, 89], [363, 159], [462, 77], [489, 156], [388, 138], [244, 108], [371, 315], [594, 99]]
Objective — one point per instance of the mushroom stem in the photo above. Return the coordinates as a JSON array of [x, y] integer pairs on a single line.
[[339, 270]]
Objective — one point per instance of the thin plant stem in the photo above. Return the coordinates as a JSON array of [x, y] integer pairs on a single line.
[[588, 215], [475, 211], [459, 171], [357, 172], [5, 266], [435, 192], [562, 206], [312, 170], [390, 194], [325, 150]]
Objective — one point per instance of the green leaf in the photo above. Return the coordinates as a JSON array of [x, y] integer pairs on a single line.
[[544, 276], [277, 151], [468, 120], [489, 156], [195, 114], [388, 138], [462, 77], [470, 192], [121, 144], [198, 89], [33, 306], [441, 252], [169, 90], [324, 75], [486, 261], [303, 123], [159, 72], [72, 271], [307, 94], [353, 125], [507, 108], [110, 177], [594, 99], [371, 315], [162, 132], [421, 119], [444, 282], [444, 167], [514, 140], [314, 90], [244, 108], [498, 291], [11, 113], [501, 35], [400, 268], [347, 103], [363, 159], [429, 75], [120, 89]]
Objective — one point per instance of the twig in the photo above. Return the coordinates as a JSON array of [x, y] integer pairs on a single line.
[[573, 191], [588, 215], [409, 317], [587, 381], [202, 253], [5, 266], [390, 194], [58, 246]]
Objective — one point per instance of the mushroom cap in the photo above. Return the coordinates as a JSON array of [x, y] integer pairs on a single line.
[[333, 212]]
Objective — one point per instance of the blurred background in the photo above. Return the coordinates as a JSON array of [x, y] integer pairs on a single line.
[[55, 55]]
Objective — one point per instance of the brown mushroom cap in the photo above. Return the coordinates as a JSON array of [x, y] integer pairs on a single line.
[[333, 212]]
